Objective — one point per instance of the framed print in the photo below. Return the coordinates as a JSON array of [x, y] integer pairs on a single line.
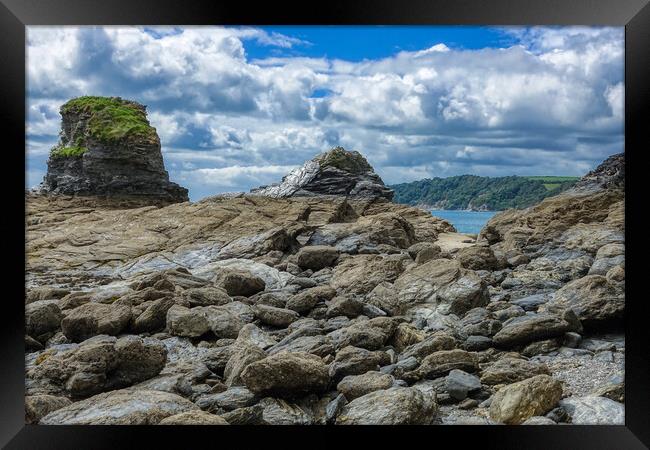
[[405, 217]]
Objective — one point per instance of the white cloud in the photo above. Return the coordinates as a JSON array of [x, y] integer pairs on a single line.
[[438, 110]]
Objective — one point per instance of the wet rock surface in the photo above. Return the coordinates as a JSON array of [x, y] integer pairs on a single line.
[[313, 309]]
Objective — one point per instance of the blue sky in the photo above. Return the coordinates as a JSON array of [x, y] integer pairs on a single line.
[[239, 107], [356, 43]]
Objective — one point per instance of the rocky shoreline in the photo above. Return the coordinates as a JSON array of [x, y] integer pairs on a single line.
[[325, 309]]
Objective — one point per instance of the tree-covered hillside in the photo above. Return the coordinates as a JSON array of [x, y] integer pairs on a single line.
[[480, 193]]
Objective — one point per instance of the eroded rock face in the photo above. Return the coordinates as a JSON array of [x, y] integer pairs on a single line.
[[336, 172], [108, 148], [565, 237]]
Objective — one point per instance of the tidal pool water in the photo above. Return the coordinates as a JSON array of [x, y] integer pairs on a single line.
[[470, 222]]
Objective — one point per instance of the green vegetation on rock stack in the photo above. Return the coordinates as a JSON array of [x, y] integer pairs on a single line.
[[339, 158], [111, 119], [480, 193], [68, 152]]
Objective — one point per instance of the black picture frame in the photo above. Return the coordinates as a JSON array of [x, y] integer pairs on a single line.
[[634, 15]]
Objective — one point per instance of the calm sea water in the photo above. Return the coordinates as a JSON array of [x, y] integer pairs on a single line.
[[469, 222]]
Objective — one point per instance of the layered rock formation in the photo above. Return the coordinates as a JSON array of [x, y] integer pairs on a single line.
[[335, 309], [336, 172], [109, 149]]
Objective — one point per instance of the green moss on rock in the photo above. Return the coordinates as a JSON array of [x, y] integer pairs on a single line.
[[342, 159], [68, 152], [111, 119]]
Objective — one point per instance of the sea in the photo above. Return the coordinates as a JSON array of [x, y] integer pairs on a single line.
[[469, 222]]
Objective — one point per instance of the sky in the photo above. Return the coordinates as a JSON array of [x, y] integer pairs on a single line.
[[239, 107]]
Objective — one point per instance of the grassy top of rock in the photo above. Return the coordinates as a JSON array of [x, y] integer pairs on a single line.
[[111, 119], [68, 152], [340, 158]]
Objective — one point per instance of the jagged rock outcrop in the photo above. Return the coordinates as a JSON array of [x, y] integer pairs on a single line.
[[336, 172], [563, 237], [108, 148], [610, 174]]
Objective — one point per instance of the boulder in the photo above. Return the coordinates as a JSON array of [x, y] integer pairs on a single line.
[[277, 317], [431, 344], [239, 282], [93, 319], [440, 363], [206, 296], [443, 283], [316, 257], [477, 257], [233, 398], [383, 232], [524, 329], [508, 370], [520, 401], [593, 410], [154, 317], [227, 321], [596, 301], [240, 358], [394, 406], [38, 406], [252, 335], [304, 301], [353, 386], [459, 384], [424, 251], [280, 412], [45, 293], [345, 306], [122, 407], [369, 334], [353, 361], [186, 322], [406, 335], [360, 274], [42, 317], [608, 257], [286, 374]]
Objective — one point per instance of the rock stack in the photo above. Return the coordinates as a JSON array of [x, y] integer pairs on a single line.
[[336, 172], [108, 149]]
